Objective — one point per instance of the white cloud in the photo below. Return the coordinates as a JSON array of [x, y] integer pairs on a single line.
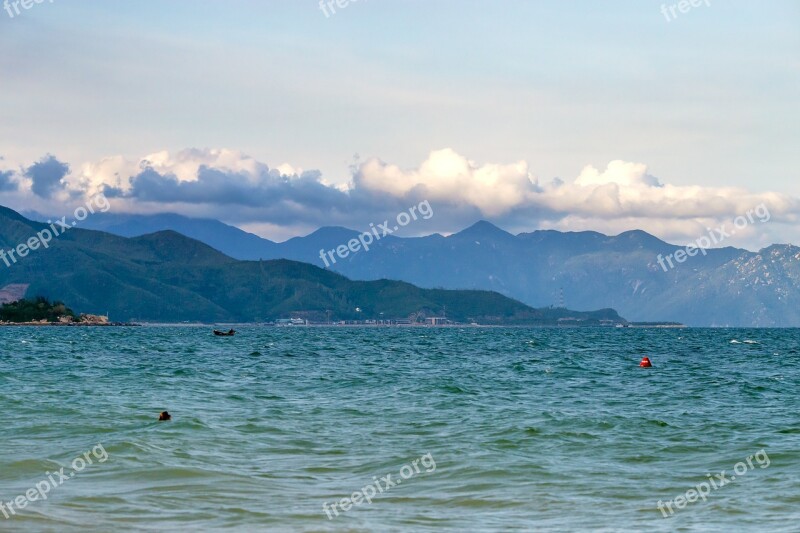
[[449, 177], [186, 164], [623, 190], [619, 172], [230, 185]]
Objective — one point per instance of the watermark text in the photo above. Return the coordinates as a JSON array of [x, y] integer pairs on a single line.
[[670, 12], [717, 481], [714, 237], [53, 480], [379, 486], [59, 227], [366, 239], [8, 5]]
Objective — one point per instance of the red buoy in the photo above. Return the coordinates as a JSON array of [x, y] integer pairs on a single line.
[[646, 363]]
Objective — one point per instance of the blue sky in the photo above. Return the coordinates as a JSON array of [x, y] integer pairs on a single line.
[[707, 100]]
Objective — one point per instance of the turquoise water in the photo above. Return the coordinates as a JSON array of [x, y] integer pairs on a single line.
[[528, 429]]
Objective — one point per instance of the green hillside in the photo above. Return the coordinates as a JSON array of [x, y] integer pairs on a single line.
[[168, 277]]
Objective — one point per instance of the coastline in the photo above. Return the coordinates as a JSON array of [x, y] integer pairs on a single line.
[[391, 326], [66, 325]]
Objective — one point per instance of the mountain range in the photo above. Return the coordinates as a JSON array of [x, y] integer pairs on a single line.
[[166, 276], [582, 270]]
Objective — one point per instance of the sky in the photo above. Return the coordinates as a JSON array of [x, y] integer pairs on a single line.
[[284, 116]]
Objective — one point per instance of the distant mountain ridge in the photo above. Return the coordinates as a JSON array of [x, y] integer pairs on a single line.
[[166, 276], [726, 287], [230, 240]]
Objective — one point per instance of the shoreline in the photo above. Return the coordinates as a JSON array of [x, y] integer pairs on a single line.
[[333, 325], [69, 325]]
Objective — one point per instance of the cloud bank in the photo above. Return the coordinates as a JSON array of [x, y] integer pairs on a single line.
[[286, 200], [46, 175], [6, 182]]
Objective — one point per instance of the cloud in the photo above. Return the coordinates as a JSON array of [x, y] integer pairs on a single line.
[[235, 185], [449, 177], [617, 172], [46, 176], [222, 187], [231, 186], [621, 191], [6, 183]]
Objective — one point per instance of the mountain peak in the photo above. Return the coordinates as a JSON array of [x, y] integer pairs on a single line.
[[328, 233], [169, 245], [483, 229], [639, 237], [776, 250]]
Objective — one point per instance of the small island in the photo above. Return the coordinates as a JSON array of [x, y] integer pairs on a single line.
[[41, 312]]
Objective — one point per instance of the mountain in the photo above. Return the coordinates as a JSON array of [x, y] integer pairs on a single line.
[[723, 287], [166, 276], [310, 245], [230, 240]]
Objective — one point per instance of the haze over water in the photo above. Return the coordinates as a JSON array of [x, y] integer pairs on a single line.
[[530, 429]]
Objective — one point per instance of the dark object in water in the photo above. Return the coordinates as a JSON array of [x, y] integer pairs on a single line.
[[230, 333], [164, 417]]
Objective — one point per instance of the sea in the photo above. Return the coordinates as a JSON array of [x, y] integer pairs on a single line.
[[399, 429]]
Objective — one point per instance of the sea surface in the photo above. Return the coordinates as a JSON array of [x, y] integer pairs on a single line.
[[512, 429]]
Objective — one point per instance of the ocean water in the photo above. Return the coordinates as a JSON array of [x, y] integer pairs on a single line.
[[486, 429]]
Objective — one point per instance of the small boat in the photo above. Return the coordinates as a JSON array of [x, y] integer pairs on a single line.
[[219, 333]]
